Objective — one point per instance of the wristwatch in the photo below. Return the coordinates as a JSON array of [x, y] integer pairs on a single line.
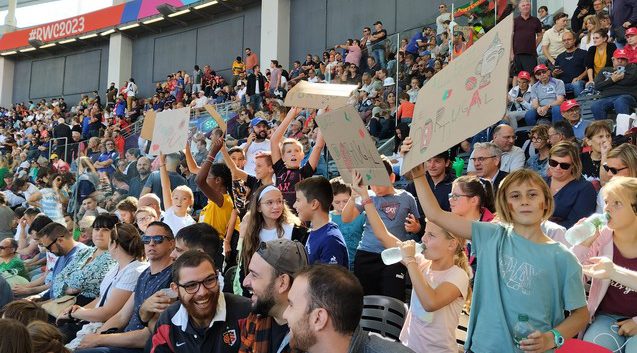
[[557, 338]]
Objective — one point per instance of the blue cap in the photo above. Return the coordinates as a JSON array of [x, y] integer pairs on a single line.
[[256, 121]]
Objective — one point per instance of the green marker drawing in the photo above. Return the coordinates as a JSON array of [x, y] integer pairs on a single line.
[[368, 176], [446, 95], [347, 117]]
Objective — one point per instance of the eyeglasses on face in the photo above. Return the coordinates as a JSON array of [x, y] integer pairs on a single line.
[[157, 239], [565, 166], [480, 159], [271, 203], [193, 287], [5, 247], [613, 170], [48, 247], [455, 197]]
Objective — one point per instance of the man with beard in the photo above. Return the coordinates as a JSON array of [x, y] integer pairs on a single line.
[[257, 142], [325, 307], [136, 184], [158, 244], [204, 319], [270, 278]]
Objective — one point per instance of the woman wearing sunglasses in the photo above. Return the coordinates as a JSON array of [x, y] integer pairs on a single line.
[[620, 161], [126, 248], [574, 196]]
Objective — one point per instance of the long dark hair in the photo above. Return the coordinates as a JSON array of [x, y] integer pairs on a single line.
[[479, 187]]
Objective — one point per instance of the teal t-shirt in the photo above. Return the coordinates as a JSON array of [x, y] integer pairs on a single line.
[[517, 276], [352, 233]]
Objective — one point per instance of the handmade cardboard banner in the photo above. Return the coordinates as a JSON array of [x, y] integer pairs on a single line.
[[149, 125], [351, 146], [319, 95], [217, 117], [462, 99], [171, 131]]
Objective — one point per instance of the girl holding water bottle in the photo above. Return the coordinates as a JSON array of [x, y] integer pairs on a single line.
[[522, 271], [613, 306], [440, 279]]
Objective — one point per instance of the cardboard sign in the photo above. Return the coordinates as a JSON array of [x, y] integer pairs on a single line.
[[149, 125], [351, 146], [319, 95], [171, 131], [462, 99], [217, 117]]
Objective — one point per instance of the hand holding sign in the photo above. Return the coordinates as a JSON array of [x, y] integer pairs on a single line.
[[170, 132]]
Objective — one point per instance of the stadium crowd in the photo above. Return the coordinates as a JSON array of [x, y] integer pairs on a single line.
[[240, 243]]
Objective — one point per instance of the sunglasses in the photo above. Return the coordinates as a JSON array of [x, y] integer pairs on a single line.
[[157, 239], [48, 247], [565, 166], [613, 170]]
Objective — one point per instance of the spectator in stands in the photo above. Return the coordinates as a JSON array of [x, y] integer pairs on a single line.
[[255, 87], [570, 65], [617, 86], [238, 67], [256, 143], [561, 131], [599, 55], [574, 196], [90, 207], [134, 335], [352, 231], [445, 15], [571, 112], [487, 158], [153, 183], [177, 201], [459, 44], [591, 25], [519, 99], [377, 40], [552, 45], [631, 45], [107, 160], [197, 76], [136, 184], [547, 95], [24, 311], [251, 60], [512, 157], [10, 259], [620, 161], [527, 33], [131, 92], [440, 180], [607, 303], [623, 16], [599, 139], [204, 317], [16, 337], [538, 162], [543, 15], [51, 199], [46, 338]]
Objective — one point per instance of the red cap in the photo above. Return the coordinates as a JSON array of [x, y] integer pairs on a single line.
[[525, 75], [540, 68], [568, 105], [632, 31], [621, 54]]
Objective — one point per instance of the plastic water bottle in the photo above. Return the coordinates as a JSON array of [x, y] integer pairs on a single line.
[[392, 256], [580, 232], [522, 329]]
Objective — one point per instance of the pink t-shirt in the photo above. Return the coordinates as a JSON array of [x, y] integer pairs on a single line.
[[435, 332], [353, 55]]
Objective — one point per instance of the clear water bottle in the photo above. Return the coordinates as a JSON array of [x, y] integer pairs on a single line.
[[522, 329], [580, 232], [392, 256]]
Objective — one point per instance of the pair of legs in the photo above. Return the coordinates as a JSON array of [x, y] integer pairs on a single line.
[[603, 332], [532, 116], [621, 103]]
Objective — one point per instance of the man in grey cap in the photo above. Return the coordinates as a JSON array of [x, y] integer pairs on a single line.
[[270, 277]]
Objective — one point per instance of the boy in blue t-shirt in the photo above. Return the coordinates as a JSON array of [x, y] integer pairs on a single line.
[[352, 231], [325, 243]]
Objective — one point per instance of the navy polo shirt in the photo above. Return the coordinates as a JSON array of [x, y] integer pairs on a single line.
[[147, 285]]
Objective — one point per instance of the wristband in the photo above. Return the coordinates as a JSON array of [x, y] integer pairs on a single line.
[[144, 323], [367, 201]]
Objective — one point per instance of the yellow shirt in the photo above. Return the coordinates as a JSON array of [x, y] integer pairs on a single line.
[[238, 68], [599, 62], [218, 217]]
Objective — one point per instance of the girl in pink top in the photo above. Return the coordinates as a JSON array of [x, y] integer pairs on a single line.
[[613, 306]]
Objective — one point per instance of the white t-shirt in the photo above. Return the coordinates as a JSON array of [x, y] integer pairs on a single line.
[[175, 222], [126, 279], [252, 151], [266, 235], [435, 332]]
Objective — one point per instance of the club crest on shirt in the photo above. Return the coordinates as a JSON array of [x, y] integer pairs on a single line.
[[230, 337], [390, 209]]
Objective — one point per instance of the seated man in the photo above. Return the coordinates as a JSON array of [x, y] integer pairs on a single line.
[[561, 131], [546, 96], [326, 303], [519, 99], [132, 338], [570, 65], [617, 86], [204, 319], [571, 111], [486, 157], [512, 157]]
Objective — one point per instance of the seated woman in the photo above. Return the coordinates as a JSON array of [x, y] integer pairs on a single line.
[[9, 258], [613, 307], [540, 140], [574, 196], [126, 248], [268, 218], [598, 137], [83, 275], [620, 161]]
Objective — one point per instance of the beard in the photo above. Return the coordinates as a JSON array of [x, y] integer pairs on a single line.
[[264, 305], [262, 135], [302, 337], [195, 311]]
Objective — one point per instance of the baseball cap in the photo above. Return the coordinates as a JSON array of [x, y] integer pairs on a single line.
[[525, 75], [621, 54], [540, 68], [54, 156], [631, 31], [568, 105], [287, 256], [256, 121], [389, 81]]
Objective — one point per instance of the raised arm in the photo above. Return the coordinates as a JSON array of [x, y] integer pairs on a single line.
[[373, 218], [447, 220], [237, 174], [202, 176], [190, 162], [316, 151], [277, 136], [165, 182]]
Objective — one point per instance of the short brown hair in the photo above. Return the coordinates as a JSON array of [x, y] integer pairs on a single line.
[[24, 311], [128, 204], [597, 126], [317, 188], [518, 177], [340, 187]]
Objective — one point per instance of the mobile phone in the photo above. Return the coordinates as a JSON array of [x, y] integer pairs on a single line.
[[169, 293], [620, 69]]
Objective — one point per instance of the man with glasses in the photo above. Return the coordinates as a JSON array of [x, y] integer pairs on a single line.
[[571, 112], [512, 157], [486, 158], [270, 277], [445, 15], [546, 96], [204, 319], [158, 244]]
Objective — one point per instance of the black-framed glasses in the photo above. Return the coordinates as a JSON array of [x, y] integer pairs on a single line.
[[193, 287], [565, 166], [48, 247], [455, 197], [613, 170], [480, 159], [157, 239], [5, 247]]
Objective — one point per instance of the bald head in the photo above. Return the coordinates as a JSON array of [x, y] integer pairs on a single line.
[[504, 137], [150, 200]]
